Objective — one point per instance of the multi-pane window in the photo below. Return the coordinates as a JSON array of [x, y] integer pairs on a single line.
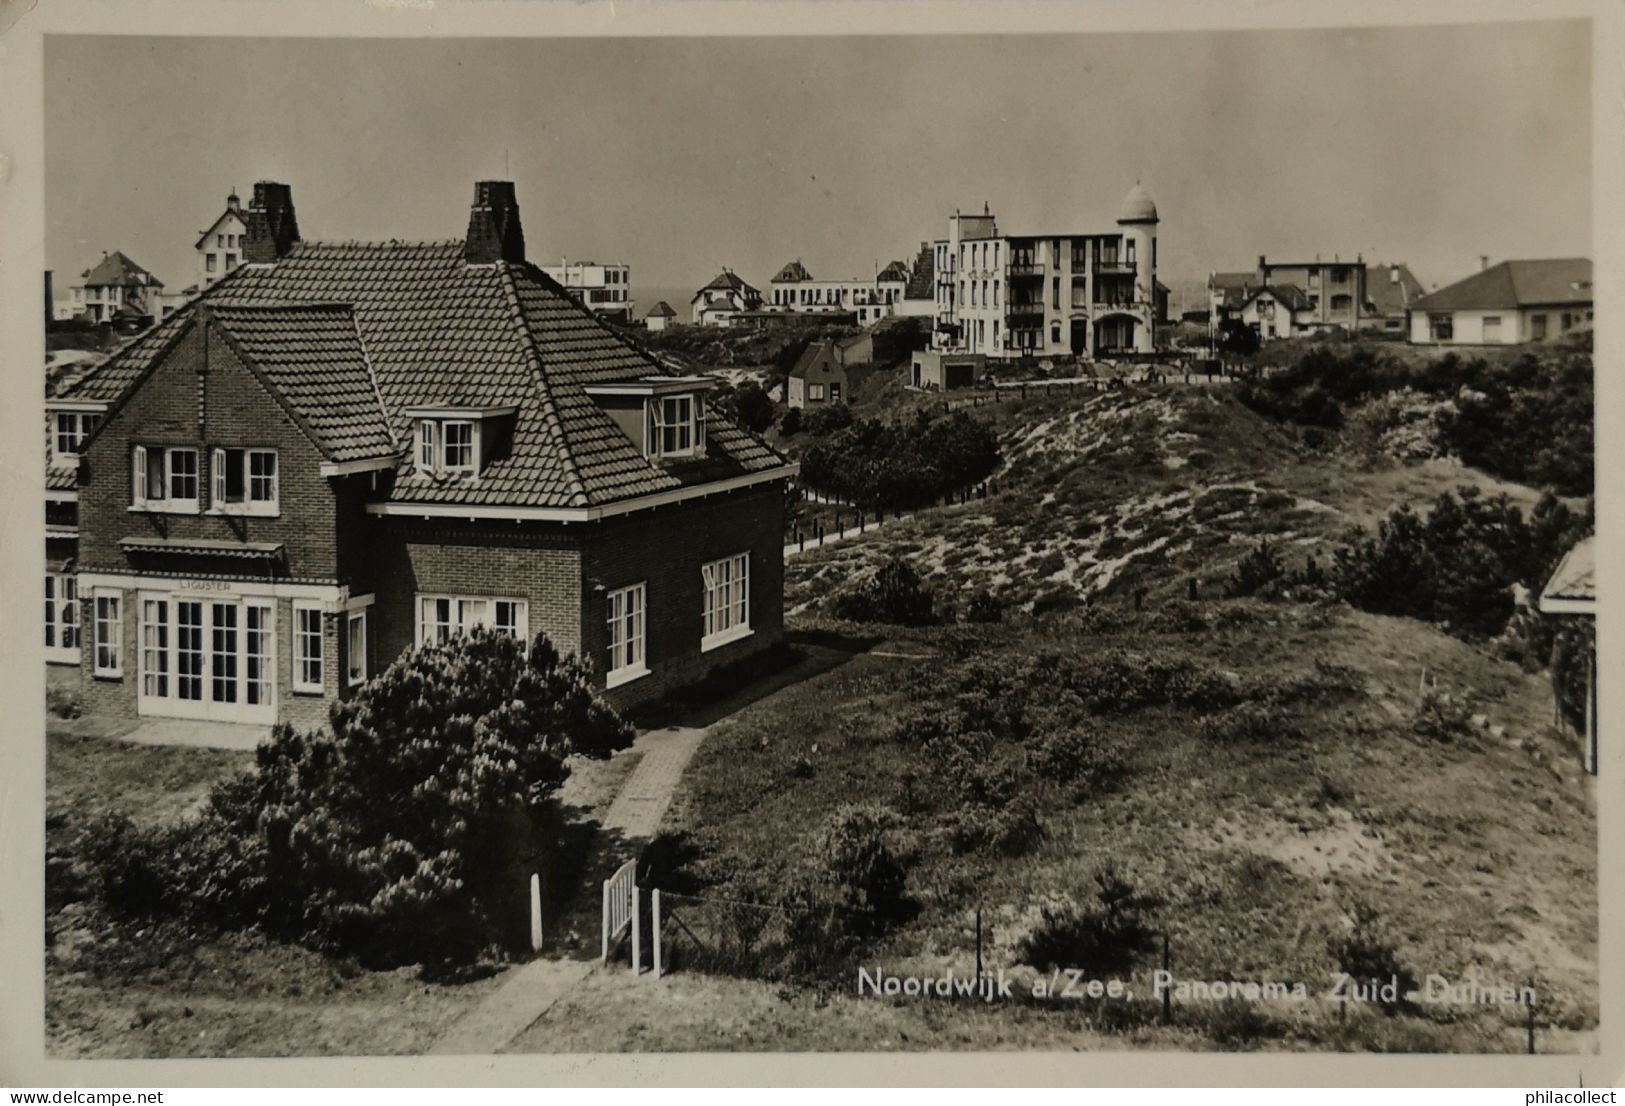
[[165, 478], [155, 648], [448, 445], [307, 647], [1537, 328], [676, 426], [625, 608], [726, 585], [458, 436], [356, 647], [245, 480], [72, 428], [1442, 327], [441, 616], [61, 611], [107, 630]]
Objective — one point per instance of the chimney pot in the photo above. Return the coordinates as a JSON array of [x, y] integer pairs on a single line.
[[272, 228], [1483, 261], [494, 231]]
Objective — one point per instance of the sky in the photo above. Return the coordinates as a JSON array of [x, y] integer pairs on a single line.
[[1428, 145]]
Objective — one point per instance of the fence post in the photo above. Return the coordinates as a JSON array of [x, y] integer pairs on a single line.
[[1529, 1016], [1167, 992], [655, 922], [536, 912], [637, 932], [978, 945], [801, 540], [604, 957]]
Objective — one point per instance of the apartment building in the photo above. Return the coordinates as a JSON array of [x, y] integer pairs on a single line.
[[603, 289], [1086, 293], [1289, 299]]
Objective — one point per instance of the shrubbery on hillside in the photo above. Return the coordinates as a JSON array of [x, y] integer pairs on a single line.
[[1529, 420], [903, 464], [407, 835], [1457, 565]]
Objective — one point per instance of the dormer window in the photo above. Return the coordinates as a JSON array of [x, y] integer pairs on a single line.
[[456, 441], [676, 426], [663, 415]]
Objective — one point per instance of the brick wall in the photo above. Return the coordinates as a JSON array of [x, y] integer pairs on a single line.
[[237, 411], [535, 562], [665, 547]]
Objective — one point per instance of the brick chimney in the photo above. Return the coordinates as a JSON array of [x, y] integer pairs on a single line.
[[272, 227], [494, 233]]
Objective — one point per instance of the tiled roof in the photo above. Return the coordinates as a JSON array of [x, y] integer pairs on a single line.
[[812, 357], [1513, 284], [662, 309], [730, 281], [894, 271], [1387, 294], [311, 356], [922, 281], [1289, 295], [1576, 575], [116, 269], [436, 330], [792, 271]]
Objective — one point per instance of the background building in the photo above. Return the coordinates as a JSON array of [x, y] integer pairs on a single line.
[[727, 295], [603, 288], [1514, 301], [1326, 295], [117, 290], [660, 316], [220, 248], [1086, 293]]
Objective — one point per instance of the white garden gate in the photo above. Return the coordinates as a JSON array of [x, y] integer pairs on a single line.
[[621, 909]]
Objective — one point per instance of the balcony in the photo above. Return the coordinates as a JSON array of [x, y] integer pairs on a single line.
[[1024, 269], [1031, 307], [1114, 267]]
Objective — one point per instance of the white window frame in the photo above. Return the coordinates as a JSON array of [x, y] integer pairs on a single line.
[[472, 465], [302, 658], [142, 458], [725, 601], [73, 427], [63, 632], [428, 444], [220, 461], [628, 626], [815, 392], [107, 640], [464, 612], [434, 452], [356, 673], [688, 436]]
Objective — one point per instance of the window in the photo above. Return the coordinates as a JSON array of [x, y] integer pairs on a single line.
[[107, 638], [155, 648], [72, 428], [62, 612], [209, 262], [441, 616], [1342, 301], [727, 600], [676, 426], [835, 389], [1441, 327], [625, 611], [166, 478], [449, 445], [1537, 328], [220, 240], [815, 391], [245, 481], [356, 647], [307, 648], [1340, 276], [1492, 328], [231, 262]]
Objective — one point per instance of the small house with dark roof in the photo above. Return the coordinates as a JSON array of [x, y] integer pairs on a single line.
[[1275, 311], [829, 371], [660, 316], [117, 290], [1543, 300], [725, 296], [344, 449]]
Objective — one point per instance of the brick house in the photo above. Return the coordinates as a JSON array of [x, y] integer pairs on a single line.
[[830, 371], [344, 449]]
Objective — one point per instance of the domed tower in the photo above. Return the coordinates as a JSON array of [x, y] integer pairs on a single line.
[[1138, 218]]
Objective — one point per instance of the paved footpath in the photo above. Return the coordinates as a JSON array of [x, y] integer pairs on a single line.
[[531, 990]]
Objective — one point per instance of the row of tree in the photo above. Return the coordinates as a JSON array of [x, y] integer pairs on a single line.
[[908, 464]]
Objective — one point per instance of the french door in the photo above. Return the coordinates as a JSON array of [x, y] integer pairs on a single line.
[[207, 658]]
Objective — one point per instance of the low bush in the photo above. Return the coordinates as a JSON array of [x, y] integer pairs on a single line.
[[62, 702], [983, 606], [829, 418], [893, 595], [1107, 935], [1442, 717], [854, 855], [405, 835], [1246, 722], [790, 423], [1367, 954], [1088, 758]]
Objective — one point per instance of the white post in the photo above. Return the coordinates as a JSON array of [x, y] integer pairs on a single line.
[[655, 921], [605, 957], [637, 933], [536, 912]]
